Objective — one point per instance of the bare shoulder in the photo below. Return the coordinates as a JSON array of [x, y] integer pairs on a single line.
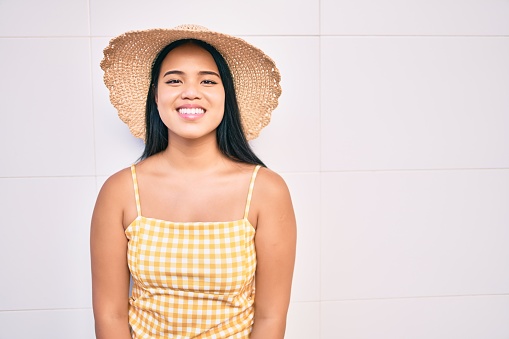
[[116, 198], [117, 184], [271, 184], [271, 199]]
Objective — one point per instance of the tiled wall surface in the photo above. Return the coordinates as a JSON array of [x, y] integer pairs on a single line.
[[392, 133]]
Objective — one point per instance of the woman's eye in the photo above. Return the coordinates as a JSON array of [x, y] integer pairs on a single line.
[[209, 82], [172, 81]]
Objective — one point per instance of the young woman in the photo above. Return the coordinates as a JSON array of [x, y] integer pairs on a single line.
[[204, 229]]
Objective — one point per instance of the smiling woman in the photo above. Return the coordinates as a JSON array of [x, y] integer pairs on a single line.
[[189, 94], [199, 218]]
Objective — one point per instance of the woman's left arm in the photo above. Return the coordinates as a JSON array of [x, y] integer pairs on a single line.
[[275, 243]]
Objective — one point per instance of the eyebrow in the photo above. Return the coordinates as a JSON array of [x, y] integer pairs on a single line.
[[200, 73]]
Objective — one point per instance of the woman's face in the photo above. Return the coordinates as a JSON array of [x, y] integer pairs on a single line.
[[190, 94]]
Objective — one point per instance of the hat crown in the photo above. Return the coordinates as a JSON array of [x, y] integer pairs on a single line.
[[191, 27]]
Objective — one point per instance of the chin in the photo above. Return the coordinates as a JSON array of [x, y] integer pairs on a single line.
[[194, 135]]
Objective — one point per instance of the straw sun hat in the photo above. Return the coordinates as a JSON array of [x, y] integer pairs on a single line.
[[128, 60]]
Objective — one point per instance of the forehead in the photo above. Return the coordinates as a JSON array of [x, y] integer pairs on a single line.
[[189, 56]]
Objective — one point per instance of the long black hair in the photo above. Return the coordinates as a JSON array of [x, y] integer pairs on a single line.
[[231, 139]]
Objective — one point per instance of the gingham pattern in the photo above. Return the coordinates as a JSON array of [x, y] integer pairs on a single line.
[[193, 279]]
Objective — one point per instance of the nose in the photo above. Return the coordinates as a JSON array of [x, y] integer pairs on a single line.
[[191, 91]]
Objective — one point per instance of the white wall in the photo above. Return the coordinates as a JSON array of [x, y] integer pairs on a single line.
[[392, 132]]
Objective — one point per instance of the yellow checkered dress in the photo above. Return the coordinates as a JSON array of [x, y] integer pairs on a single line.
[[191, 279]]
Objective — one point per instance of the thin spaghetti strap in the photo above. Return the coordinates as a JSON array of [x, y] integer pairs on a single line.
[[136, 192], [250, 192]]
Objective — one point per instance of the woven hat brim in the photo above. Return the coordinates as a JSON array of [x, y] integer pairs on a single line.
[[129, 57]]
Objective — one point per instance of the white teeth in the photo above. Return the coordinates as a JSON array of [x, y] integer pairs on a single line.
[[191, 110]]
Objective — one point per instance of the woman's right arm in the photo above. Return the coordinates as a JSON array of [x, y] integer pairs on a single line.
[[110, 273]]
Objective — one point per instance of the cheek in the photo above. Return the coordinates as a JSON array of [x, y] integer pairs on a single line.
[[219, 98], [164, 97], [221, 101]]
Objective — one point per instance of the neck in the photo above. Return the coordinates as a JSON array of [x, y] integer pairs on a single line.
[[193, 155]]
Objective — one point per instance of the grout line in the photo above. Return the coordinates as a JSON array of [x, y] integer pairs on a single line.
[[89, 19], [419, 297], [92, 89], [420, 170], [319, 171], [414, 36], [319, 35], [47, 37], [320, 155], [54, 177], [48, 309]]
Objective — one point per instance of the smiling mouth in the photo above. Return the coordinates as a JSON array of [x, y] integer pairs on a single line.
[[186, 111]]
